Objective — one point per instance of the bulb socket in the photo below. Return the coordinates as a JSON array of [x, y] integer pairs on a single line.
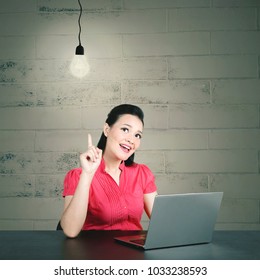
[[79, 50]]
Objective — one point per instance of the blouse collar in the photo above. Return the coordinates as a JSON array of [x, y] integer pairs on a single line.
[[103, 166]]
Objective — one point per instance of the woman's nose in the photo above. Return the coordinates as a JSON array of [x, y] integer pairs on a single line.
[[130, 140]]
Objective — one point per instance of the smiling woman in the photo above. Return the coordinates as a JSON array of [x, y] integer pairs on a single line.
[[110, 191]]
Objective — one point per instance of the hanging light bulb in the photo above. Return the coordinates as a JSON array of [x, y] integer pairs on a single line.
[[79, 66]]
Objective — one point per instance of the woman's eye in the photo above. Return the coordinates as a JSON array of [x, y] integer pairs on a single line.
[[139, 136], [125, 129]]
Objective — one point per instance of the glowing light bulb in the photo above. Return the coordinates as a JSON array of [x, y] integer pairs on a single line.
[[79, 66]]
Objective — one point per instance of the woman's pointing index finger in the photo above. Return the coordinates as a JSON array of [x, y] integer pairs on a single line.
[[89, 141]]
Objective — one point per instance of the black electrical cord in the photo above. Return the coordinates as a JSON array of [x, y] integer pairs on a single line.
[[79, 49], [79, 21]]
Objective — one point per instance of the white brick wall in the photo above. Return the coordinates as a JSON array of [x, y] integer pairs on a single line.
[[192, 65]]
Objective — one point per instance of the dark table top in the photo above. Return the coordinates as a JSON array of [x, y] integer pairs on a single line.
[[100, 245]]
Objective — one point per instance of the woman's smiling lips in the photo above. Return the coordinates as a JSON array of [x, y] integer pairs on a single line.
[[125, 148]]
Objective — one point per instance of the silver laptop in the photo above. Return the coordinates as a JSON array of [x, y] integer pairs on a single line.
[[177, 220]]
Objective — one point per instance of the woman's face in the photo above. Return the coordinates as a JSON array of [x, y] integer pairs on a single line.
[[123, 137]]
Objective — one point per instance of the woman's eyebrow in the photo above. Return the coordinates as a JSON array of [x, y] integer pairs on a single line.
[[126, 124]]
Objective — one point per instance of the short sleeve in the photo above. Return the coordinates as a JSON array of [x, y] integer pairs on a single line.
[[148, 180], [71, 181]]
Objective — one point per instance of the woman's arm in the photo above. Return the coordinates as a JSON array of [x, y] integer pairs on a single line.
[[76, 206], [148, 203]]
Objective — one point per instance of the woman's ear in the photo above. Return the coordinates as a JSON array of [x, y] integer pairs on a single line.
[[106, 129]]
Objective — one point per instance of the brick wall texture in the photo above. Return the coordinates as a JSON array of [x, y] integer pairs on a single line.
[[191, 65]]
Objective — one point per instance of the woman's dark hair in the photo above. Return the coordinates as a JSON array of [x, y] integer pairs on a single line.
[[112, 118]]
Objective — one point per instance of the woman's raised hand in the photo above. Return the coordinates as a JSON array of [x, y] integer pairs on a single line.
[[90, 160]]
